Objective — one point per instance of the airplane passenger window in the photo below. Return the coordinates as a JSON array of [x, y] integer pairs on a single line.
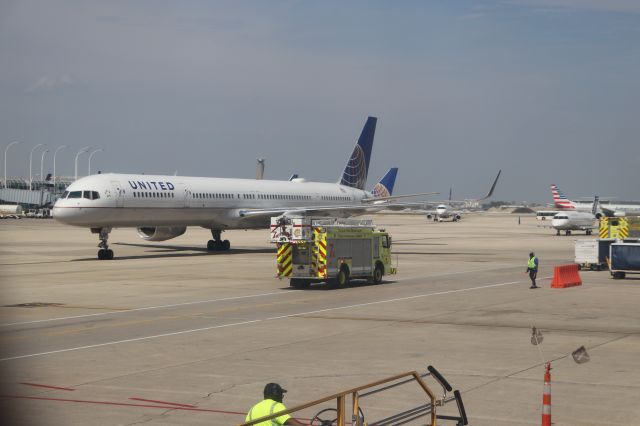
[[75, 194], [95, 195]]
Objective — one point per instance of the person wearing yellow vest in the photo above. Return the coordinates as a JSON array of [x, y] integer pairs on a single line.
[[272, 404], [532, 268]]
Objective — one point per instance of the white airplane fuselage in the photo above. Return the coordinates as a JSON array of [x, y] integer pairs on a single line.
[[616, 210], [133, 200], [443, 213], [573, 221]]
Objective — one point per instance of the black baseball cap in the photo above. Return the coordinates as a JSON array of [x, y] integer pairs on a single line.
[[273, 390]]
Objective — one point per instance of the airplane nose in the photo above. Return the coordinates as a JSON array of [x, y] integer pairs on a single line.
[[66, 215]]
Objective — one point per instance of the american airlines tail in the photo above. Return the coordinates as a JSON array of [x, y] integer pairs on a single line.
[[355, 172], [384, 188], [560, 200]]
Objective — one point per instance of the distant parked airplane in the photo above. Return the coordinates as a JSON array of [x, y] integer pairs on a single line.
[[561, 202], [571, 220], [443, 210]]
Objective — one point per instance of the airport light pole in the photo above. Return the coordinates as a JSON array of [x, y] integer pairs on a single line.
[[30, 163], [54, 164], [5, 161], [85, 149], [42, 164], [91, 155]]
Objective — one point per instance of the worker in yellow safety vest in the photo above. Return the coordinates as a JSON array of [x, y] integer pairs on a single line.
[[532, 268], [272, 403]]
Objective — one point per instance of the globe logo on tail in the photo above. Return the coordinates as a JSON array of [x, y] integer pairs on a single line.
[[355, 173], [380, 191]]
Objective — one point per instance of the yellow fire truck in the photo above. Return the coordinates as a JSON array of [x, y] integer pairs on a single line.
[[331, 250]]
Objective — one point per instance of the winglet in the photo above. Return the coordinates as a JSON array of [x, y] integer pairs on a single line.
[[355, 172], [492, 187], [384, 188]]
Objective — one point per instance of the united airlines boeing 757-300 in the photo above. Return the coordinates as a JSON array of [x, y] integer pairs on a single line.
[[162, 207]]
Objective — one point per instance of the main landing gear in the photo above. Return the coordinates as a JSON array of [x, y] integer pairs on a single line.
[[217, 244], [105, 253]]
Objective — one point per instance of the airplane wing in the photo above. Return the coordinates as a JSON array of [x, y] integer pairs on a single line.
[[489, 194], [381, 200], [310, 210]]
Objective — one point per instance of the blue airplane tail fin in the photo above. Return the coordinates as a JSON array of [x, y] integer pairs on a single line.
[[355, 172], [384, 188]]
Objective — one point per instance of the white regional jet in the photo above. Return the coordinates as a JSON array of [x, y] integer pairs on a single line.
[[569, 220], [162, 207]]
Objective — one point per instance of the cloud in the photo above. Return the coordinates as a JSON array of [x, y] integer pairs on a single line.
[[50, 84]]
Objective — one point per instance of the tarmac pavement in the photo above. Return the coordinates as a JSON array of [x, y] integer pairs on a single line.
[[168, 334]]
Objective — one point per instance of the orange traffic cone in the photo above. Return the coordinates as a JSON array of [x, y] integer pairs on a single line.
[[546, 396]]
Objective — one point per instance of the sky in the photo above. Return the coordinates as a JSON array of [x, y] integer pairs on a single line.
[[546, 90]]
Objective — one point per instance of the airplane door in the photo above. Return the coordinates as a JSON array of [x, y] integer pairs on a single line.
[[118, 193], [187, 197]]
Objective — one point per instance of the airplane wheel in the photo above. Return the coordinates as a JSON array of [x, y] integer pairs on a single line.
[[211, 245], [226, 245], [101, 254], [109, 254]]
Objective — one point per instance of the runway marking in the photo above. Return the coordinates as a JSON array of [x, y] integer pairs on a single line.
[[174, 305], [163, 402], [214, 327], [123, 404], [125, 311], [46, 386]]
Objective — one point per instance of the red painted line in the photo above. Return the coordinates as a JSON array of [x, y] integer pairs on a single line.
[[163, 402], [46, 386], [122, 404]]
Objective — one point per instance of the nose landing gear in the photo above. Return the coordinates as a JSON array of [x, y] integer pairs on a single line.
[[105, 253]]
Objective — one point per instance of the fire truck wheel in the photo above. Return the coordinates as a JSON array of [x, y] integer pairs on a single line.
[[377, 274], [342, 280]]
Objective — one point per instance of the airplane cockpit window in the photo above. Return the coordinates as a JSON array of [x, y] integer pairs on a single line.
[[65, 194], [561, 217], [75, 194], [86, 194], [95, 195]]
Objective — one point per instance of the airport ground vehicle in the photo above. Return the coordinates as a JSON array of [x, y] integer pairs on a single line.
[[546, 214], [624, 258], [592, 254], [619, 227], [10, 210], [330, 249]]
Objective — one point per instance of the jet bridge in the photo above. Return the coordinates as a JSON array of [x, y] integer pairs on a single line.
[[395, 391]]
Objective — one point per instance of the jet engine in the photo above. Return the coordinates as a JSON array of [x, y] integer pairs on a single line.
[[161, 233]]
